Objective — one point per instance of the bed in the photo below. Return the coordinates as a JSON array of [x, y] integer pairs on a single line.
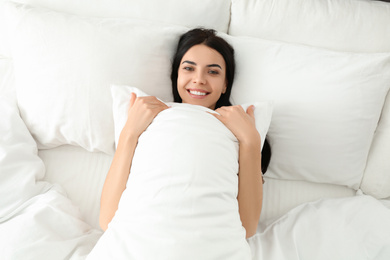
[[319, 72]]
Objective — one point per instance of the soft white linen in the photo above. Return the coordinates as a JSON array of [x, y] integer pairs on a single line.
[[6, 77], [376, 179], [65, 164], [180, 200], [41, 214], [355, 228], [20, 167], [187, 13], [347, 25], [327, 105], [36, 220], [47, 227], [64, 66], [81, 174], [281, 196]]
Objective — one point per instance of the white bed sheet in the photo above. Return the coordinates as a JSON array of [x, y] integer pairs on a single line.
[[346, 228], [48, 226], [37, 221], [82, 174]]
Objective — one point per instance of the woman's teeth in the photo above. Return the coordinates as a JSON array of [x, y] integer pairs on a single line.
[[198, 93]]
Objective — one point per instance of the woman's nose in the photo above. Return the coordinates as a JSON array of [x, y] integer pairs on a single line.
[[200, 78]]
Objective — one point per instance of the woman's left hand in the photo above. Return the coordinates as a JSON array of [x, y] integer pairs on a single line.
[[239, 122]]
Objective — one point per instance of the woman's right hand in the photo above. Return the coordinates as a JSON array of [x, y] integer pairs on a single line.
[[142, 111]]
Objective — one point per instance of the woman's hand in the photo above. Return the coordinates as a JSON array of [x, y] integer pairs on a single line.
[[142, 111], [239, 122]]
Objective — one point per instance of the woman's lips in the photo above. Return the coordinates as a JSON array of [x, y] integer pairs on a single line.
[[197, 93]]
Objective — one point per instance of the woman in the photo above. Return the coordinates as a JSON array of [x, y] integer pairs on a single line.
[[202, 74]]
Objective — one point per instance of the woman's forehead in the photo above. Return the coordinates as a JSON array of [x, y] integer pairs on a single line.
[[203, 55]]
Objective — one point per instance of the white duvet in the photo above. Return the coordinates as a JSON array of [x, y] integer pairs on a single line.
[[37, 220], [354, 228], [181, 196]]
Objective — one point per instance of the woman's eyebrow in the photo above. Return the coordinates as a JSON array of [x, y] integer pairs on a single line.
[[214, 65], [194, 63], [190, 62]]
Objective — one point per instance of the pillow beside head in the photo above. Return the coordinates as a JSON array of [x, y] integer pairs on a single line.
[[64, 65], [326, 106], [121, 97]]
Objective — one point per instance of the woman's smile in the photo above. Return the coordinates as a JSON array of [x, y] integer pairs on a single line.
[[197, 93]]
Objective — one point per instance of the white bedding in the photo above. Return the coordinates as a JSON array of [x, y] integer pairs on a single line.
[[49, 226], [338, 229], [82, 173], [180, 200], [37, 221], [49, 199]]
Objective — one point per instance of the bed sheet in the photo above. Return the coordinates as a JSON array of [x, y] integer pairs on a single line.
[[6, 77], [82, 174], [48, 226], [37, 220], [346, 228]]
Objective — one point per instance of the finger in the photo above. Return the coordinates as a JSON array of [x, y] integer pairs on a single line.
[[133, 97], [165, 105], [217, 116], [251, 111]]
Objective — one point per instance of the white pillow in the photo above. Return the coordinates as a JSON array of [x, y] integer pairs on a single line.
[[21, 169], [376, 179], [121, 97], [298, 21], [347, 25], [181, 196], [64, 66], [188, 13], [327, 106]]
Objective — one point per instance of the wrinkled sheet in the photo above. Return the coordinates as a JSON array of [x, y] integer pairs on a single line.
[[338, 229], [37, 220], [48, 226]]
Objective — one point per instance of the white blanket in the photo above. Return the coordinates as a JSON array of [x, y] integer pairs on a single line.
[[181, 196], [47, 227], [37, 221], [339, 229]]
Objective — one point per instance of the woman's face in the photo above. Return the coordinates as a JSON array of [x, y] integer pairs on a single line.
[[202, 76]]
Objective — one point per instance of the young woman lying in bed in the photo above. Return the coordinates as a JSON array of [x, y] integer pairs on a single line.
[[202, 74]]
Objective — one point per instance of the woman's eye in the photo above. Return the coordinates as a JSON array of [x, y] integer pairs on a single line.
[[188, 68], [214, 72]]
